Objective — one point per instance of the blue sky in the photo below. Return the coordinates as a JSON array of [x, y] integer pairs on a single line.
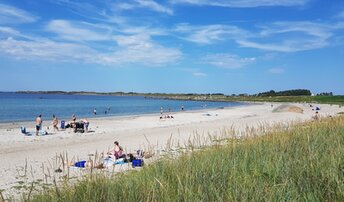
[[172, 46]]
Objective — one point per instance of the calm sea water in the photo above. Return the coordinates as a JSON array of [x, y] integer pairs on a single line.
[[25, 107]]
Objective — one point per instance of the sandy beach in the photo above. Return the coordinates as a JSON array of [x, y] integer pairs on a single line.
[[133, 132]]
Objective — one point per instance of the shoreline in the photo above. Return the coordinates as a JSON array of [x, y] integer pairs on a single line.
[[133, 132], [116, 111], [113, 116]]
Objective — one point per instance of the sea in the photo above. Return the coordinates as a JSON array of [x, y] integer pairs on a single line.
[[15, 107]]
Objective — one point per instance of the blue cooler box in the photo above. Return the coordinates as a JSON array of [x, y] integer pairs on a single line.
[[137, 163]]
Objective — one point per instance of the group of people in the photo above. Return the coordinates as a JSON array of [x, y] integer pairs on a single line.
[[116, 154], [316, 116], [74, 124], [81, 125], [167, 116], [107, 110]]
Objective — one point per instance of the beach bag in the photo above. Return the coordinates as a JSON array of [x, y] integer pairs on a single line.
[[80, 164], [137, 163], [63, 124], [23, 130]]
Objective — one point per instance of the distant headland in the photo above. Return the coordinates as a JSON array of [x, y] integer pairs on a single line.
[[295, 95]]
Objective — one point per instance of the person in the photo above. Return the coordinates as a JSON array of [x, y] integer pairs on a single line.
[[95, 111], [161, 110], [73, 118], [55, 122], [38, 123], [85, 164], [86, 123], [316, 117], [117, 151], [74, 123], [182, 108]]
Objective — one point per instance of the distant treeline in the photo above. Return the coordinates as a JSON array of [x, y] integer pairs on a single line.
[[117, 93], [271, 93], [77, 92], [296, 92]]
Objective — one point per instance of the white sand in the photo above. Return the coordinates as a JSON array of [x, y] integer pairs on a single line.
[[17, 149]]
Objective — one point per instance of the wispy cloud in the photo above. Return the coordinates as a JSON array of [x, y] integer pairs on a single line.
[[135, 49], [149, 4], [228, 61], [209, 34], [154, 6], [195, 72], [141, 49], [79, 31], [13, 15], [8, 31], [276, 71], [290, 36], [278, 36], [199, 74], [242, 3], [46, 50]]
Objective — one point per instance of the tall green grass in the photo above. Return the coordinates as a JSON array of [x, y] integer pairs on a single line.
[[305, 163]]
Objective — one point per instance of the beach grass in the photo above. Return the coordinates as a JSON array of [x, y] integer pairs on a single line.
[[302, 163]]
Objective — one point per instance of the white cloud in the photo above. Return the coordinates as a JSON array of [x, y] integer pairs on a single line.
[[276, 71], [199, 74], [228, 61], [210, 33], [46, 50], [138, 49], [195, 72], [13, 15], [155, 6], [242, 3], [9, 31], [150, 56], [278, 36], [141, 49], [149, 4], [79, 31], [290, 36], [127, 29]]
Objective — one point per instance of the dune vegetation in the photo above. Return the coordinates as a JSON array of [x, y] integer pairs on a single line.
[[303, 162]]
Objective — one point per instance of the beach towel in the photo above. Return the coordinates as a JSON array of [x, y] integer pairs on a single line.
[[120, 161], [108, 162], [43, 132]]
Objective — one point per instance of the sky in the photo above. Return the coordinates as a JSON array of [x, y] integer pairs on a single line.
[[172, 46]]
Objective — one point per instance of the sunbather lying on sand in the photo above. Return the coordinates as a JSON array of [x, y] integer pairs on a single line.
[[87, 164]]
